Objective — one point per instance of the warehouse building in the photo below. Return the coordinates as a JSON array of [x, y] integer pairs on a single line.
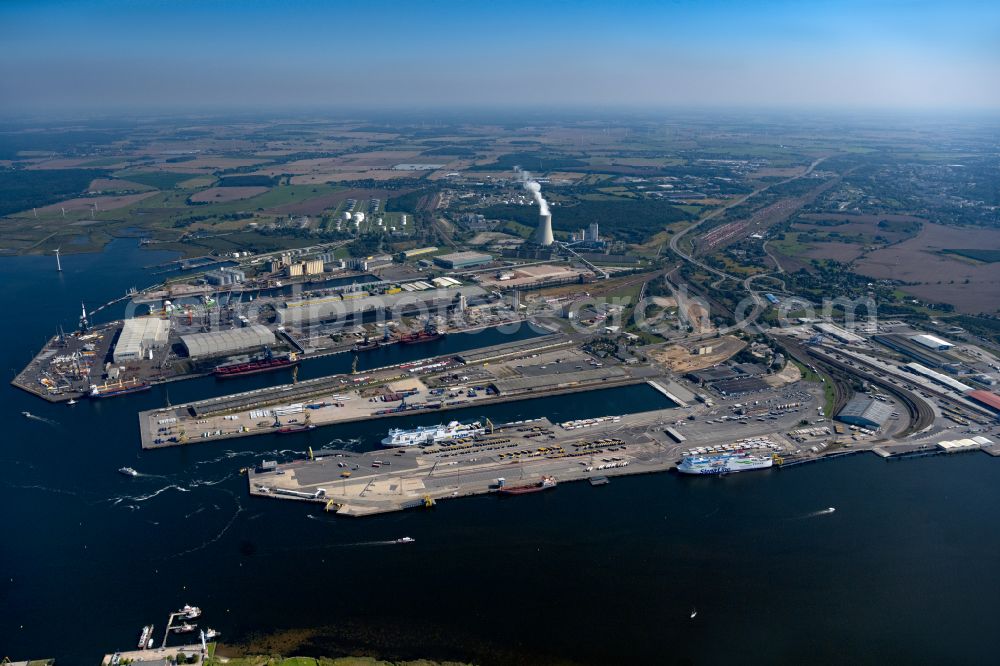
[[369, 263], [140, 336], [714, 374], [459, 260], [932, 342], [741, 386], [938, 377], [922, 353], [838, 333], [865, 412], [221, 343], [986, 399]]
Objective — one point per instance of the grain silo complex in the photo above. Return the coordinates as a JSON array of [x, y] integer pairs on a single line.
[[222, 343]]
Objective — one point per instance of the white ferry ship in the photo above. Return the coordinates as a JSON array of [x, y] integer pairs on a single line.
[[726, 463], [426, 435]]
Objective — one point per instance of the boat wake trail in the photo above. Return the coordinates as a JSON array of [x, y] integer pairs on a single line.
[[822, 512], [42, 419], [345, 444], [58, 491], [226, 455], [222, 532], [200, 482], [143, 498]]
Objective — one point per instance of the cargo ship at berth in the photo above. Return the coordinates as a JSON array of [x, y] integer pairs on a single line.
[[547, 483], [367, 345], [429, 335], [268, 363], [121, 388], [292, 429], [725, 463], [425, 435]]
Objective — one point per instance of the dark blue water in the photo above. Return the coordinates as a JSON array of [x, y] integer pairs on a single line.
[[904, 570]]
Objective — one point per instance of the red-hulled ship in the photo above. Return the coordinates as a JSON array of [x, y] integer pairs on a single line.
[[546, 483], [288, 430], [267, 364]]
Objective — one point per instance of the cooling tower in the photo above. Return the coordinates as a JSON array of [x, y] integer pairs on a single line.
[[544, 234]]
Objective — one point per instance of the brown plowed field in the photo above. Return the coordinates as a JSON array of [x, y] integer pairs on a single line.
[[919, 260]]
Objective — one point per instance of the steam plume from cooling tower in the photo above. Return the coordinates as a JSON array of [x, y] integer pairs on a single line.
[[536, 191], [543, 235]]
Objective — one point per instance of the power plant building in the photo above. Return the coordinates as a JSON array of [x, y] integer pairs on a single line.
[[543, 236], [459, 260], [221, 343], [139, 336], [865, 412]]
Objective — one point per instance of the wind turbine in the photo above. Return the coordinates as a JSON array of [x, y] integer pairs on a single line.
[[58, 263]]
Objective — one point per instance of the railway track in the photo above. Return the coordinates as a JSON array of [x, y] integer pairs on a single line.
[[920, 413]]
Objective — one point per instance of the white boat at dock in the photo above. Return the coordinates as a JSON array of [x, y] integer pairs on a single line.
[[189, 612], [146, 637]]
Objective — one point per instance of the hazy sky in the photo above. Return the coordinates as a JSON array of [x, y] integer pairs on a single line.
[[373, 53]]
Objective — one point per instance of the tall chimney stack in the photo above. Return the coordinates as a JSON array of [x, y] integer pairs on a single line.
[[544, 234]]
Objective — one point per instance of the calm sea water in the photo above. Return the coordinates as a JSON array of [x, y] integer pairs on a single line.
[[903, 571]]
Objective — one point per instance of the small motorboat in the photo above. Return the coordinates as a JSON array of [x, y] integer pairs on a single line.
[[185, 628], [128, 471], [405, 540]]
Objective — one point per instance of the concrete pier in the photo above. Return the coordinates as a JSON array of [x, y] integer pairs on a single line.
[[427, 386], [519, 453]]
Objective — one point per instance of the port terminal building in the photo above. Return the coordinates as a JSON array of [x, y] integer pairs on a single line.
[[221, 343], [865, 412], [139, 337]]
